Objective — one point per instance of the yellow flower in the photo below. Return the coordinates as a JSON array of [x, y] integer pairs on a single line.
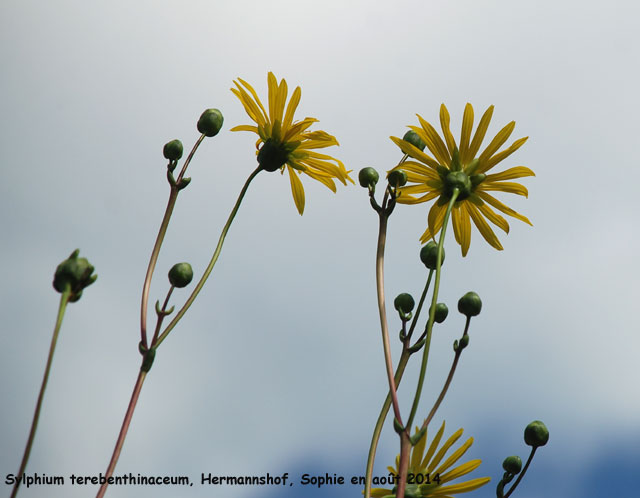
[[286, 143], [428, 474], [452, 167]]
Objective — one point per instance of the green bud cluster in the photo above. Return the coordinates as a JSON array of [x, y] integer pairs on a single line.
[[536, 434], [180, 275], [368, 178], [512, 464], [74, 274], [404, 304], [429, 255], [210, 122], [414, 139], [470, 304], [173, 150], [397, 178]]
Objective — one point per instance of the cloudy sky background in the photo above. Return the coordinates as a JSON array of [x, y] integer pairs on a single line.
[[278, 365]]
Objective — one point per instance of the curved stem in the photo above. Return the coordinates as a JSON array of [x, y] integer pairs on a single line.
[[382, 236], [402, 363], [173, 196], [524, 470], [64, 299], [212, 263], [432, 310], [123, 432], [419, 308], [447, 383]]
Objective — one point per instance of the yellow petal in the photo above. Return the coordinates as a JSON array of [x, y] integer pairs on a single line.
[[465, 229], [445, 447], [445, 121], [407, 199], [494, 217], [460, 470], [414, 152], [465, 135], [281, 99], [291, 109], [325, 180], [254, 129], [455, 456], [480, 133], [493, 160], [510, 187], [436, 217], [510, 174], [501, 207], [483, 227], [296, 189], [418, 452], [380, 492], [250, 106], [435, 143], [256, 99], [433, 447], [463, 487], [502, 136], [272, 83], [414, 169], [455, 221]]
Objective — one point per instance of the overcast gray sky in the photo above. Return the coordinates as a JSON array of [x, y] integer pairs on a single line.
[[278, 366]]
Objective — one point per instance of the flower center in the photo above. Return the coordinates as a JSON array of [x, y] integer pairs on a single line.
[[273, 155], [459, 180]]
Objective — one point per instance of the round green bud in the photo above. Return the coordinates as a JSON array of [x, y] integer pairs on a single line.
[[470, 304], [210, 122], [414, 139], [397, 178], [180, 275], [404, 303], [368, 177], [536, 434], [429, 255], [441, 313], [173, 150], [512, 464], [73, 274], [272, 155]]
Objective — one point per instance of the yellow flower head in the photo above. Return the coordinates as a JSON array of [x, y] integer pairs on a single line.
[[452, 167], [286, 143], [429, 474]]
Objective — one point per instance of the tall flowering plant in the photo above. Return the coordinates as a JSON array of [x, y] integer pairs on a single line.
[[455, 176]]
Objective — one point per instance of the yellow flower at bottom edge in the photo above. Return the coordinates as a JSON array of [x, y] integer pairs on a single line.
[[285, 143], [429, 474], [436, 177]]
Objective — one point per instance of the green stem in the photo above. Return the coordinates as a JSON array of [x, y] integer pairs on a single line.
[[173, 196], [419, 308], [447, 383], [64, 299], [212, 263], [402, 363], [524, 470], [432, 310], [382, 236], [123, 432]]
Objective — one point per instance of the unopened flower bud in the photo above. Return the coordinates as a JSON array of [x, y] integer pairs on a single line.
[[368, 177], [73, 274], [441, 313], [429, 255], [470, 304], [173, 150], [536, 434], [404, 303], [180, 275], [512, 464], [397, 178], [210, 122], [414, 139]]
